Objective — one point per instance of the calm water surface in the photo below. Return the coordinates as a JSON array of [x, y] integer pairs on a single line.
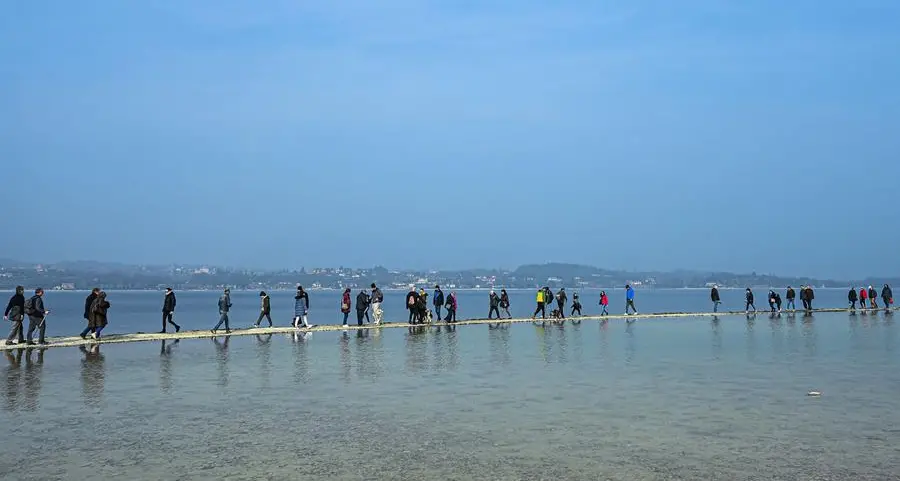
[[694, 398]]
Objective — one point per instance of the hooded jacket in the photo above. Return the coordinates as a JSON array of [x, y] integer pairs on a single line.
[[495, 300], [169, 302], [561, 297], [15, 309], [851, 296], [504, 300], [714, 294], [98, 311], [88, 302], [438, 297], [225, 303], [265, 304], [301, 304], [362, 301], [886, 293], [629, 293], [345, 302]]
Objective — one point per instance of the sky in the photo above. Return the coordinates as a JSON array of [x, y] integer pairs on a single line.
[[648, 135]]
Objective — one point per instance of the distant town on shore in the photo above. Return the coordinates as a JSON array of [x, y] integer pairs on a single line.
[[81, 275]]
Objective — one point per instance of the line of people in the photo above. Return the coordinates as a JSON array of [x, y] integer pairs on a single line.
[[807, 296]]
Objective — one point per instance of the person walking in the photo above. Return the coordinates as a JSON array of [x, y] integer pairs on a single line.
[[37, 317], [771, 299], [714, 297], [362, 307], [541, 306], [265, 309], [504, 303], [438, 301], [411, 298], [301, 309], [451, 306], [851, 298], [422, 306], [377, 299], [873, 297], [749, 301], [810, 296], [576, 305], [887, 296], [99, 318], [168, 310], [224, 308], [790, 295], [345, 305], [88, 305], [15, 313], [494, 302], [629, 299], [804, 297], [604, 303], [561, 300], [863, 297], [778, 302]]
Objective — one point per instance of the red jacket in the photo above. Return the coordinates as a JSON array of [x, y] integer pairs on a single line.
[[345, 303], [863, 294]]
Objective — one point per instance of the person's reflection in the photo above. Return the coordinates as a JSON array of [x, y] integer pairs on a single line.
[[809, 335], [346, 357], [544, 345], [264, 348], [93, 373], [630, 342], [563, 343], [452, 348], [13, 376], [301, 359], [165, 364], [750, 336], [604, 340], [716, 326], [33, 370], [415, 348], [222, 359], [498, 338]]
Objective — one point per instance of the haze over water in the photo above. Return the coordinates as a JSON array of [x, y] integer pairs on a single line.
[[694, 398]]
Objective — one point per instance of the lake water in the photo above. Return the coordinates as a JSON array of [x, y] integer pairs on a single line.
[[657, 399]]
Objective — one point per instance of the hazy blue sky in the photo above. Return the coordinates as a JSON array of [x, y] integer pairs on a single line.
[[755, 135]]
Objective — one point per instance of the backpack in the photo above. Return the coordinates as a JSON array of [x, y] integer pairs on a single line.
[[411, 301], [29, 307]]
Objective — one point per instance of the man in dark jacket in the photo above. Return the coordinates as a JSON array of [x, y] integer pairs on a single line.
[[887, 296], [852, 298], [561, 299], [749, 301], [873, 297], [804, 298], [362, 307], [87, 311], [810, 295], [224, 308], [265, 309], [494, 301], [438, 301], [15, 313], [168, 310], [412, 298], [714, 297], [377, 298], [790, 295], [37, 317]]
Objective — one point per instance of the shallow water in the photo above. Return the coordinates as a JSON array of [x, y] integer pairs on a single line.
[[691, 398]]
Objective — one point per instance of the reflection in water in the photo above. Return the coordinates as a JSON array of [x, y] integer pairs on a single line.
[[165, 364], [716, 326], [416, 348], [604, 340], [544, 345], [301, 356], [751, 337], [222, 359], [23, 388], [809, 335], [93, 374], [560, 330], [346, 356], [264, 351], [452, 358], [498, 338], [630, 342]]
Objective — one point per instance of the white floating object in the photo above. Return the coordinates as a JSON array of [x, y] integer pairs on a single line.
[[814, 393]]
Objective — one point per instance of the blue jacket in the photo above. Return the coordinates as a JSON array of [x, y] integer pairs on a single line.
[[629, 294]]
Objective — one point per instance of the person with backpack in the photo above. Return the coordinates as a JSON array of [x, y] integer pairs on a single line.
[[377, 299], [541, 306], [438, 301], [451, 306], [37, 317], [168, 310], [714, 297], [494, 302], [810, 296], [99, 320], [422, 306], [604, 303], [790, 295], [504, 303], [873, 297], [411, 297], [224, 307], [301, 309], [804, 298], [887, 296], [576, 305], [88, 304], [629, 299], [362, 307], [749, 301], [345, 305], [851, 298], [561, 300], [265, 309], [15, 313]]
